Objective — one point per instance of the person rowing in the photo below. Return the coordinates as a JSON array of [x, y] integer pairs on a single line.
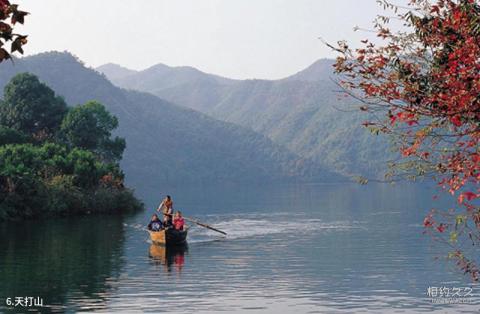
[[166, 206]]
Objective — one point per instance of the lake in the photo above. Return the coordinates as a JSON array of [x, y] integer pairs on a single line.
[[290, 249]]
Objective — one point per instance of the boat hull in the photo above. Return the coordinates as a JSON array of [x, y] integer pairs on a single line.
[[169, 237]]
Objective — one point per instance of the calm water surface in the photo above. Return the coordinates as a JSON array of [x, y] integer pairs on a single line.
[[289, 249]]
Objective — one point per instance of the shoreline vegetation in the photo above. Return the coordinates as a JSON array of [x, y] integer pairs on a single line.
[[57, 160]]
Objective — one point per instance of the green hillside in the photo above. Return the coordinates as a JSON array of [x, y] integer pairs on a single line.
[[303, 112], [166, 143]]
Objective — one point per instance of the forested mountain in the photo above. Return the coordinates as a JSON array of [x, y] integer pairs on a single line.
[[202, 89], [167, 143], [303, 112]]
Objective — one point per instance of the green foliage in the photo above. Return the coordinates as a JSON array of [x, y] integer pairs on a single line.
[[53, 179], [11, 136], [89, 127], [31, 107], [41, 175]]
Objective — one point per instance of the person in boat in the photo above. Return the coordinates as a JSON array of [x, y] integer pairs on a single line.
[[166, 206], [155, 224], [178, 221]]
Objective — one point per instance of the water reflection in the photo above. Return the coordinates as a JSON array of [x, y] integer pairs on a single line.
[[61, 260], [289, 249], [168, 256]]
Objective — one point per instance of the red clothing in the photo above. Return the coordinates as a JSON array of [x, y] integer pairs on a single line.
[[178, 222]]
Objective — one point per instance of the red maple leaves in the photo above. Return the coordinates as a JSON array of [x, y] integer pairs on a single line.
[[427, 82], [9, 16]]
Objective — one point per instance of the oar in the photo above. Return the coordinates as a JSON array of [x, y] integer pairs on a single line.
[[200, 224], [204, 225]]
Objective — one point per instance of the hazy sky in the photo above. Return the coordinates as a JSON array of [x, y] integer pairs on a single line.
[[234, 38]]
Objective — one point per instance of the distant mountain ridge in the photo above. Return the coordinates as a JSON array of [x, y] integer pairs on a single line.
[[165, 76], [115, 71], [320, 70], [303, 112], [166, 143], [174, 75]]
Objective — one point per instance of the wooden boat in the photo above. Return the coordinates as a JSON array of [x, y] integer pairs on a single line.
[[169, 237]]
